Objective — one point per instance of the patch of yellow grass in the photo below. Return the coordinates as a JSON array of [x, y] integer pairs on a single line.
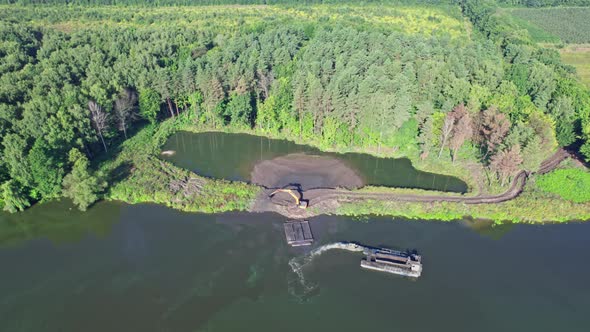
[[579, 57], [419, 20]]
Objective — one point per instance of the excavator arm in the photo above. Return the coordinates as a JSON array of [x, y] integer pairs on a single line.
[[298, 202]]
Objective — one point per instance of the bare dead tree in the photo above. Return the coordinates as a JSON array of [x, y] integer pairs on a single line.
[[494, 128], [264, 82], [506, 163], [463, 129], [125, 109], [447, 128], [169, 103], [99, 120]]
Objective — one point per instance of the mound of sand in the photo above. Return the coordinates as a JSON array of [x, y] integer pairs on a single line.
[[307, 171]]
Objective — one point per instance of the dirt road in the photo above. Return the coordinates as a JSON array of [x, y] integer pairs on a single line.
[[327, 199]]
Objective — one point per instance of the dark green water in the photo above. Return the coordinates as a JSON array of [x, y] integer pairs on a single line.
[[233, 156], [149, 268]]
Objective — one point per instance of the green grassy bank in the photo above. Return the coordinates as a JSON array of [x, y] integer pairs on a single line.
[[138, 176], [531, 206]]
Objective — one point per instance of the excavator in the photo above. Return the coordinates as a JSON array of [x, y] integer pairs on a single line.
[[299, 202]]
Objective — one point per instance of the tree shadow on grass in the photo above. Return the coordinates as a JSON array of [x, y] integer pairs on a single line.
[[115, 145], [119, 173]]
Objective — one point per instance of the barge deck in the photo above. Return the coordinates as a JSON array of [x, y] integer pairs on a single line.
[[298, 233], [392, 261]]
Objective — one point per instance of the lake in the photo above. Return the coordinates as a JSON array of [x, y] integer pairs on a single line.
[[233, 157], [149, 268]]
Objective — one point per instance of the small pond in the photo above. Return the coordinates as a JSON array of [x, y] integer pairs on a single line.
[[233, 157]]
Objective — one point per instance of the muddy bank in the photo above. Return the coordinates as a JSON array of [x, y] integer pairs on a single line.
[[307, 171]]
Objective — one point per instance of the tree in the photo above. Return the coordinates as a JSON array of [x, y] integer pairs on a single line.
[[239, 110], [505, 163], [265, 79], [46, 169], [544, 127], [447, 129], [14, 156], [299, 104], [541, 84], [125, 107], [494, 128], [99, 120], [213, 95], [80, 185], [13, 196], [533, 154], [463, 129], [315, 97], [563, 112], [425, 119], [195, 100], [585, 150], [162, 84], [382, 119], [149, 104]]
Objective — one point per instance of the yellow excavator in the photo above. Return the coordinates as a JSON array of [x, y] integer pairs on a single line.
[[300, 203]]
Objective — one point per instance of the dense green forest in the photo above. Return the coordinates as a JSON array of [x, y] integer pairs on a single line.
[[447, 81]]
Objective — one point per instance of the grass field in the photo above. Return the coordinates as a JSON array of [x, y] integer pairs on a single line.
[[579, 57], [537, 33], [570, 24]]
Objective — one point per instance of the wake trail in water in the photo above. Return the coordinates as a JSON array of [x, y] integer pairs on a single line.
[[300, 287]]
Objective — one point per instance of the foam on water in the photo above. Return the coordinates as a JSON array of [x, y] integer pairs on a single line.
[[300, 287]]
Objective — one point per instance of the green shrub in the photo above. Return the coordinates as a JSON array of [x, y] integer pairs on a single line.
[[571, 184]]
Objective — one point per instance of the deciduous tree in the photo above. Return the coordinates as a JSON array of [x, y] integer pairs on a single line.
[[80, 185], [14, 197]]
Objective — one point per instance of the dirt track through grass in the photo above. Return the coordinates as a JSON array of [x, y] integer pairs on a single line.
[[325, 200]]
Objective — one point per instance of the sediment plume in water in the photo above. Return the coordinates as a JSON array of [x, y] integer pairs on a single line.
[[301, 288]]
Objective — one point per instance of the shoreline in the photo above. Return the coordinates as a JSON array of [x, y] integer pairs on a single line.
[[217, 195]]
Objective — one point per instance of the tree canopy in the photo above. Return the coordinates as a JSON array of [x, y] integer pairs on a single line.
[[77, 80]]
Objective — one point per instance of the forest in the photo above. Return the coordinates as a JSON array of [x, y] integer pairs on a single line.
[[430, 80]]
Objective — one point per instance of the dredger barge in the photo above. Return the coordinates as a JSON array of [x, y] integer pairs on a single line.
[[391, 261], [298, 233], [383, 259]]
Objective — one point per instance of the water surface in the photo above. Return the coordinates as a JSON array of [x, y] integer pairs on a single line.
[[233, 156], [149, 268]]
